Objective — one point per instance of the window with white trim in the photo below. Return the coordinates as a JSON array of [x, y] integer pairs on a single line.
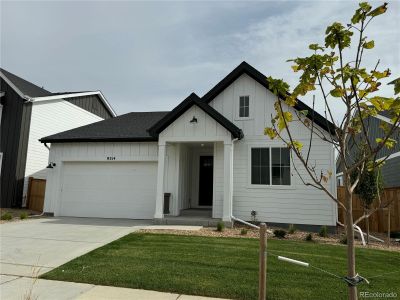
[[270, 166], [244, 106]]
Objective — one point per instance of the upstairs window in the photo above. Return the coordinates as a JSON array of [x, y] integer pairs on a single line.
[[244, 106]]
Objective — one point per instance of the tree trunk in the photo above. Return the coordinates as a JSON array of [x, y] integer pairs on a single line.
[[367, 228], [351, 258]]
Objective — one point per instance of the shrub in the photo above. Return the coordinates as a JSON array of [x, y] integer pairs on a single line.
[[280, 233], [309, 237], [343, 239], [220, 226], [243, 231], [323, 232], [7, 216], [395, 235], [291, 229], [23, 216]]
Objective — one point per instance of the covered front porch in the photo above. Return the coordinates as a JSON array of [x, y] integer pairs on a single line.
[[196, 186], [195, 160]]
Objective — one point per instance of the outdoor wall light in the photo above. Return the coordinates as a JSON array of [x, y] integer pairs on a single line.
[[51, 165], [194, 120]]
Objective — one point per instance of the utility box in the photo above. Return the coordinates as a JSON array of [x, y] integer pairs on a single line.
[[167, 197]]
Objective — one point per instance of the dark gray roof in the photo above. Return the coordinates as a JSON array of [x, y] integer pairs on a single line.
[[26, 87], [131, 127]]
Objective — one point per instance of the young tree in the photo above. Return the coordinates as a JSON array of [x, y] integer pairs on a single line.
[[346, 83]]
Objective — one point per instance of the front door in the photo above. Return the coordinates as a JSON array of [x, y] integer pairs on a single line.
[[206, 180]]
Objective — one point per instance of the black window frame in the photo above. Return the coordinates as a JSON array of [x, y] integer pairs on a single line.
[[273, 170], [244, 106]]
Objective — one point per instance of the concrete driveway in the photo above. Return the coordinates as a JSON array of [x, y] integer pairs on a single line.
[[33, 247]]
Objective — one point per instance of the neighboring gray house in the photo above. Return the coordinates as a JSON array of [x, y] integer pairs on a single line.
[[391, 168], [27, 113]]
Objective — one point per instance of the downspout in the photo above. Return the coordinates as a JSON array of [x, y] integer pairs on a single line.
[[240, 220]]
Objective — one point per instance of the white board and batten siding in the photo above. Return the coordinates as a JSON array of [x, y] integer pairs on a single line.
[[206, 129], [112, 180], [50, 117], [297, 203]]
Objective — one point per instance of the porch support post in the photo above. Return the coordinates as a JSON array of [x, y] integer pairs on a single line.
[[228, 182], [159, 214]]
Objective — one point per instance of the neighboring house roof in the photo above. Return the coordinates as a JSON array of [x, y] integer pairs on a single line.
[[23, 86], [245, 68], [193, 99], [32, 92], [55, 96], [131, 127]]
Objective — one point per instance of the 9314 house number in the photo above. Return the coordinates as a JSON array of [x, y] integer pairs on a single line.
[[110, 157]]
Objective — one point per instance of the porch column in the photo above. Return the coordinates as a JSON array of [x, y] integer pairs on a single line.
[[159, 213], [228, 182]]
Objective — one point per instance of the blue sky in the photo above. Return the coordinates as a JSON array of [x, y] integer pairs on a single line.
[[150, 55]]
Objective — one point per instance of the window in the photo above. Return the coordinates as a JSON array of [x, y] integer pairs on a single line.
[[270, 166], [243, 106], [260, 166], [280, 158]]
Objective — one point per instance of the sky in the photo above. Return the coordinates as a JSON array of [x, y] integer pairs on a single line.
[[149, 56]]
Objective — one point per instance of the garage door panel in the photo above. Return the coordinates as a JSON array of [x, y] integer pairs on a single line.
[[109, 190]]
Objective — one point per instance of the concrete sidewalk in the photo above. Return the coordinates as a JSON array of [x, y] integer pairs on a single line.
[[13, 287]]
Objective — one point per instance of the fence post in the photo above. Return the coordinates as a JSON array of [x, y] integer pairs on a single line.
[[388, 233], [262, 263]]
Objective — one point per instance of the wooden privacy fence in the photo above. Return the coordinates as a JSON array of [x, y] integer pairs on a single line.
[[378, 221], [35, 197]]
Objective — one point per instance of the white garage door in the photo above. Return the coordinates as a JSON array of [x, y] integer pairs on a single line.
[[109, 189]]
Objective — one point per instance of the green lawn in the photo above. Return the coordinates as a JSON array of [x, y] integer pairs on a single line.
[[226, 267]]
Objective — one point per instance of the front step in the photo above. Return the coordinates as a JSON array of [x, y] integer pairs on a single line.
[[189, 221]]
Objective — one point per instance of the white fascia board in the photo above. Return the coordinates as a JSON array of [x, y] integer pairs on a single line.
[[72, 95], [12, 85], [385, 119], [393, 155]]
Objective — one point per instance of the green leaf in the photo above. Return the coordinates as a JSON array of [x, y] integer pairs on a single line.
[[304, 112], [295, 68], [337, 92], [389, 143], [315, 47], [396, 83], [369, 45], [297, 145], [378, 11], [271, 132], [380, 75]]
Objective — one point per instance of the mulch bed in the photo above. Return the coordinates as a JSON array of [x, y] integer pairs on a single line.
[[333, 239]]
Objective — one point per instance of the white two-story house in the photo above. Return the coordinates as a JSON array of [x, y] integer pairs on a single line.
[[208, 154]]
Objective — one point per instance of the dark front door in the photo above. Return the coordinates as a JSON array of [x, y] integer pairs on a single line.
[[206, 180]]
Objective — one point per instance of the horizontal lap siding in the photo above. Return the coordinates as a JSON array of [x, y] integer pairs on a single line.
[[50, 117], [298, 204]]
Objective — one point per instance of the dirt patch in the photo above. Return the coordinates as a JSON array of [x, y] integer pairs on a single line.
[[236, 232], [16, 214]]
